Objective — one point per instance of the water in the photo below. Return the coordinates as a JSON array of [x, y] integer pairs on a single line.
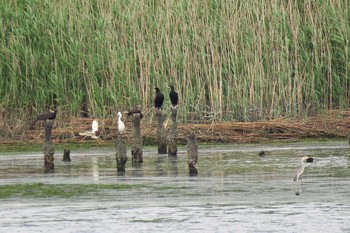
[[235, 191]]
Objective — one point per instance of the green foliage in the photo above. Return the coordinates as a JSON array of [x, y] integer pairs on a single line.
[[244, 60]]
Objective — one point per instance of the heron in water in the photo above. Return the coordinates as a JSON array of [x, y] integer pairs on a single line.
[[121, 126], [301, 168]]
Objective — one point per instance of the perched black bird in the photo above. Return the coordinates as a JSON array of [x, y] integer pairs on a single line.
[[46, 116], [174, 97], [158, 101]]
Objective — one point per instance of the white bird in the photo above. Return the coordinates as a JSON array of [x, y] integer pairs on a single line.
[[301, 168], [94, 127], [94, 131], [121, 126]]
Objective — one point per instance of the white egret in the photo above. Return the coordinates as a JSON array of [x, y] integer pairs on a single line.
[[121, 126]]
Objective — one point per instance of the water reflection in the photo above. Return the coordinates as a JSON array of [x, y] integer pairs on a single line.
[[95, 168], [235, 189]]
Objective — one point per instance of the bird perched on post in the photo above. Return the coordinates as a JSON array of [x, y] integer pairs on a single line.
[[174, 97], [159, 99], [121, 126], [46, 116], [301, 167]]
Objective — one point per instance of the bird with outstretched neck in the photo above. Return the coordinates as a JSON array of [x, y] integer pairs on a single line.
[[121, 125], [159, 99], [174, 97], [301, 167]]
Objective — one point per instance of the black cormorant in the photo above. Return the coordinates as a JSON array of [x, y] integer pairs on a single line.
[[46, 116], [159, 99], [174, 97]]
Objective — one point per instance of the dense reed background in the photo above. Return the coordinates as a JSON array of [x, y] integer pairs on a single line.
[[235, 60]]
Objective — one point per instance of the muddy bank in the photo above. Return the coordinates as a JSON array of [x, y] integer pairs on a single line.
[[332, 125]]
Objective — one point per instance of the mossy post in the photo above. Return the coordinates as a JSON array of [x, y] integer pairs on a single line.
[[48, 147], [161, 134], [66, 155], [192, 153], [172, 137], [136, 150], [121, 156]]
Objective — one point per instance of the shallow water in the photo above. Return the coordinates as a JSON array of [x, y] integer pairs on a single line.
[[235, 191]]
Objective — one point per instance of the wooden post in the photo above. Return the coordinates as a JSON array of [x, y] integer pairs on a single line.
[[66, 155], [136, 150], [121, 157], [192, 153], [161, 134], [48, 147], [172, 137]]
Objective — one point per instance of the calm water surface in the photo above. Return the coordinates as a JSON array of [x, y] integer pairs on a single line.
[[235, 191]]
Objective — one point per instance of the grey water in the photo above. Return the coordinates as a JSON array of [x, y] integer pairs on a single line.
[[235, 191]]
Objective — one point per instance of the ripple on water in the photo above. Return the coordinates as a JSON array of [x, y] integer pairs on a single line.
[[235, 191]]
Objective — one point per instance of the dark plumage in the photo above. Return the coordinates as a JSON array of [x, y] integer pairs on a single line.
[[45, 116], [310, 160], [131, 112], [174, 97], [262, 153], [159, 99]]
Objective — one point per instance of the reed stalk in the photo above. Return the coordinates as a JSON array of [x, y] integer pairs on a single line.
[[229, 60]]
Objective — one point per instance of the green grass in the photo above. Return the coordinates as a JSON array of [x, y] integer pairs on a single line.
[[237, 60], [40, 190]]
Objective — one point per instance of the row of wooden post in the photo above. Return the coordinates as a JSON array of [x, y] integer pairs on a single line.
[[166, 144]]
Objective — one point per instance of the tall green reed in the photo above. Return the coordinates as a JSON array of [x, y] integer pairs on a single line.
[[229, 60]]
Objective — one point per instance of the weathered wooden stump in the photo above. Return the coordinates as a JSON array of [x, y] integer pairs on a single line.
[[66, 155], [161, 134], [192, 153], [48, 147], [121, 156], [172, 136], [136, 150]]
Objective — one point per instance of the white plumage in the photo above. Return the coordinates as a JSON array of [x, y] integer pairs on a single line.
[[92, 133], [121, 126], [301, 168], [94, 127]]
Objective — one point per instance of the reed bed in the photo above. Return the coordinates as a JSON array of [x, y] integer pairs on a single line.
[[229, 60], [334, 125]]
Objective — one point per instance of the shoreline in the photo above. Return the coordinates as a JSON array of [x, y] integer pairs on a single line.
[[330, 126]]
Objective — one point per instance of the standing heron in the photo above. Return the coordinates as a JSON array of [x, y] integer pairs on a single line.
[[159, 99], [174, 97], [301, 168], [121, 126]]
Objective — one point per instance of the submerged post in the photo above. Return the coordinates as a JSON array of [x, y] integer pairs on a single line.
[[121, 157], [161, 134], [48, 147], [66, 155], [136, 150], [172, 137], [192, 153]]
